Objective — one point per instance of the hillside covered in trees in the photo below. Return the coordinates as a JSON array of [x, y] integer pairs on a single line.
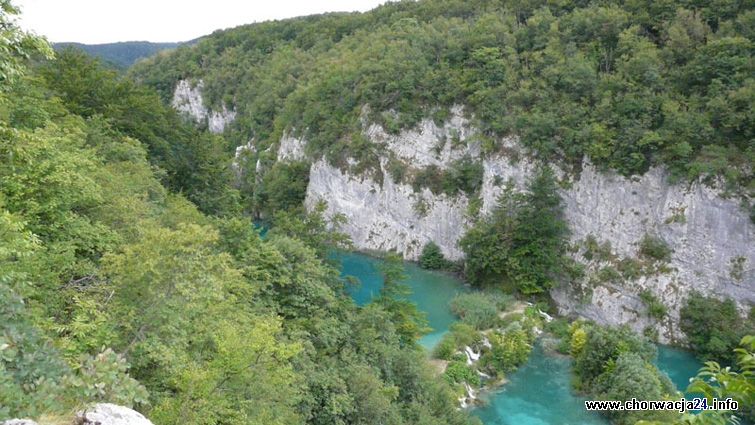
[[628, 84], [131, 271], [115, 286], [121, 55]]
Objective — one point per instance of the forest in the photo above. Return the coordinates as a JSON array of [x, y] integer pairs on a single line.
[[131, 271], [628, 84]]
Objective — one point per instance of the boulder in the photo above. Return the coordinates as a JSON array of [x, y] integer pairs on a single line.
[[110, 414]]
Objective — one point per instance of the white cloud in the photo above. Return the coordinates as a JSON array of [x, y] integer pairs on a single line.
[[105, 21]]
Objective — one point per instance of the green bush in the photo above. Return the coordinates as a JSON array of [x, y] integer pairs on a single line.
[[603, 346], [432, 258], [631, 376], [655, 248], [713, 327], [655, 307], [464, 175], [510, 350], [458, 372], [445, 348], [478, 309], [464, 334]]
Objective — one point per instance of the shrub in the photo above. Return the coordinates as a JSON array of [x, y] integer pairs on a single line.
[[477, 309], [655, 307], [464, 175], [458, 372], [397, 170], [510, 349], [608, 274], [578, 341], [631, 376], [655, 248], [465, 334], [560, 328], [445, 348], [630, 268], [432, 258], [603, 346], [713, 327]]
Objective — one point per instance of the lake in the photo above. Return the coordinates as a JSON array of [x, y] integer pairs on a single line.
[[539, 392]]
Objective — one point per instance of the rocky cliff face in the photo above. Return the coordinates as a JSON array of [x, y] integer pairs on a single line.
[[188, 100], [711, 239]]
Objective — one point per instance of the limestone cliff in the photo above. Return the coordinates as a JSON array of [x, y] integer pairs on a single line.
[[188, 100], [711, 239]]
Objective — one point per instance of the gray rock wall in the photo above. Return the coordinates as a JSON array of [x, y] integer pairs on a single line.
[[188, 100], [707, 233]]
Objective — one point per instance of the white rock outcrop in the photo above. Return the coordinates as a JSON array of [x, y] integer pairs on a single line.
[[188, 100], [291, 149], [110, 414], [391, 216], [429, 144], [99, 414], [712, 238]]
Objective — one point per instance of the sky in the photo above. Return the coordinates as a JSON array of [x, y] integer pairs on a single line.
[[107, 21]]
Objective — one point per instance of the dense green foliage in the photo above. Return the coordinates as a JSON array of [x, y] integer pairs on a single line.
[[714, 381], [655, 307], [522, 244], [629, 84], [196, 163], [432, 257], [115, 287], [122, 54], [617, 364], [714, 327], [480, 309]]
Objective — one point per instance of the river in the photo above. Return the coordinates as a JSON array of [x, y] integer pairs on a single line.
[[538, 393]]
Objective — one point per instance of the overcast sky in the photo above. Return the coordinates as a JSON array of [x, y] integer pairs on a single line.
[[106, 21]]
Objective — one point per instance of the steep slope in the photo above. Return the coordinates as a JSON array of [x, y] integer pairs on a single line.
[[412, 116]]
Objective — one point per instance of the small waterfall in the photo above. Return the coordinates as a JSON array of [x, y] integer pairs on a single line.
[[486, 343], [545, 315], [471, 355]]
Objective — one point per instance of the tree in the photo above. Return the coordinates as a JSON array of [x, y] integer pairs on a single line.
[[523, 243], [631, 376], [540, 238], [715, 381], [410, 322], [16, 45], [714, 327], [432, 257]]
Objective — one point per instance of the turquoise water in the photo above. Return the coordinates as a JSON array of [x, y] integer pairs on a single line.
[[538, 393], [679, 365], [431, 291]]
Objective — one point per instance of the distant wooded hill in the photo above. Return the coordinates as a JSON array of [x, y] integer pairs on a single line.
[[122, 54]]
